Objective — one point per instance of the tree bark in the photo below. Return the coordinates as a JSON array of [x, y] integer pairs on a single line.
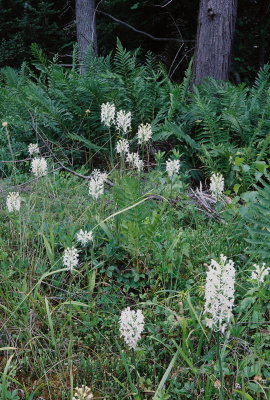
[[86, 28], [215, 33]]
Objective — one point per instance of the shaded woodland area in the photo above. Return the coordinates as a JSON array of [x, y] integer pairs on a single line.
[[172, 25]]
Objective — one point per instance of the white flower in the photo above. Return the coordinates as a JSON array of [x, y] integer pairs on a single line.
[[107, 114], [96, 188], [144, 133], [98, 175], [237, 386], [260, 273], [172, 167], [83, 393], [123, 121], [96, 183], [33, 149], [217, 185], [134, 160], [71, 257], [84, 237], [131, 326], [219, 293], [122, 146], [39, 166], [13, 201]]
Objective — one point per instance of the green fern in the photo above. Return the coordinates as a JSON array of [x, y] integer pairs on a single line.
[[257, 216]]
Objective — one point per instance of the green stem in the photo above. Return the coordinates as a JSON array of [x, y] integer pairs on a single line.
[[221, 389], [11, 151], [70, 346], [137, 380], [111, 149]]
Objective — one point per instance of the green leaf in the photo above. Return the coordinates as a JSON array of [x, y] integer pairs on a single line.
[[135, 6], [86, 142], [261, 166], [239, 160], [245, 395], [166, 375], [236, 188]]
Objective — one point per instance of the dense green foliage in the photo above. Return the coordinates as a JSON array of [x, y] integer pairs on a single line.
[[153, 235], [217, 127]]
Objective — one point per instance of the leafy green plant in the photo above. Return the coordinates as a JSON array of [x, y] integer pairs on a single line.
[[256, 216]]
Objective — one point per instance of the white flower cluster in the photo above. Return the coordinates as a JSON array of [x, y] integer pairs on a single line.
[[131, 326], [71, 257], [122, 146], [96, 183], [144, 133], [217, 185], [123, 121], [134, 160], [13, 201], [33, 149], [107, 114], [97, 174], [83, 393], [84, 237], [219, 293], [172, 167], [260, 273], [39, 166]]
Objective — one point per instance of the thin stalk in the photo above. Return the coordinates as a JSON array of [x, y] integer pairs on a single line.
[[11, 150], [137, 380], [70, 346], [221, 389], [111, 148]]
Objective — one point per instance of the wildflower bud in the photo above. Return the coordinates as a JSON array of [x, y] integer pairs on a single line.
[[217, 185], [123, 121], [39, 167], [71, 257], [84, 237], [134, 160], [217, 384], [260, 273], [33, 149], [13, 201], [83, 393], [131, 326], [96, 183], [107, 114], [219, 293], [172, 167], [144, 133], [4, 124], [122, 146]]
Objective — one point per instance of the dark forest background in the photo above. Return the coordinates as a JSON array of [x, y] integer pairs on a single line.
[[52, 25]]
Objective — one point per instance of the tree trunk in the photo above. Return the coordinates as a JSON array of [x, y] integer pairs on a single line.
[[214, 39], [86, 28]]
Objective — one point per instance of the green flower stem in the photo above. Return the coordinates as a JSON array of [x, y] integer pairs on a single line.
[[70, 346], [221, 389], [11, 150]]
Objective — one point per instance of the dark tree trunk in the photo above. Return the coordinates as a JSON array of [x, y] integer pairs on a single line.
[[214, 39], [86, 28]]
